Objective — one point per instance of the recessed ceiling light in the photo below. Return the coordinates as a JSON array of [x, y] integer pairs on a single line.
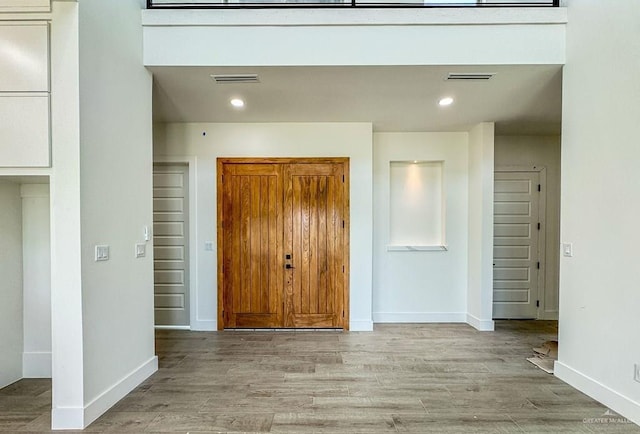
[[237, 102], [445, 101]]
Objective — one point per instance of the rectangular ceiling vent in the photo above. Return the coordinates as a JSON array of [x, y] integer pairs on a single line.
[[236, 78], [470, 75]]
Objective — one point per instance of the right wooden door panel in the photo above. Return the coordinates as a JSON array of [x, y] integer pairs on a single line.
[[282, 244], [313, 238]]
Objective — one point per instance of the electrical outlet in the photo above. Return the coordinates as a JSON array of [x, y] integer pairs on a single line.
[[141, 250], [102, 253], [636, 375]]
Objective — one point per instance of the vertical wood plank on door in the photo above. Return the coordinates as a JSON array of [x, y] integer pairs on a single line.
[[255, 246], [305, 266], [245, 245], [313, 244], [321, 210]]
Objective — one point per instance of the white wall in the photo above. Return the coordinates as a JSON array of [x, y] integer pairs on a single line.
[[480, 258], [36, 265], [540, 151], [599, 301], [10, 284], [423, 286], [203, 143], [116, 202], [482, 36]]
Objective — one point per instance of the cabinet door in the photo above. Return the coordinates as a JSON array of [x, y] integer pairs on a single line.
[[24, 131], [25, 5], [24, 58]]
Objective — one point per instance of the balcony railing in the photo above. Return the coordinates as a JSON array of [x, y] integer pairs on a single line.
[[242, 4]]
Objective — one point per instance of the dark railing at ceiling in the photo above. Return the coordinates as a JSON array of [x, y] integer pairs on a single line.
[[248, 4]]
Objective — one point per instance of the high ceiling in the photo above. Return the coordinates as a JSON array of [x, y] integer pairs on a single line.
[[523, 99]]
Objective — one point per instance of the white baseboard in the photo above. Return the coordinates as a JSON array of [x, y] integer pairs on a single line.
[[115, 393], [204, 325], [67, 418], [36, 365], [549, 315], [483, 325], [419, 317], [8, 379], [172, 327], [80, 418], [621, 404], [360, 326]]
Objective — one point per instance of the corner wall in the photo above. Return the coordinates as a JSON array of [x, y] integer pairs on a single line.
[[480, 259], [116, 203], [11, 321], [599, 298], [421, 286]]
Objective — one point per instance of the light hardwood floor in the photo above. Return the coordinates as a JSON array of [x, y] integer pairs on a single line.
[[422, 378]]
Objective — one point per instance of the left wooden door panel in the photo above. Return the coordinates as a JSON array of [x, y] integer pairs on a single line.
[[252, 263]]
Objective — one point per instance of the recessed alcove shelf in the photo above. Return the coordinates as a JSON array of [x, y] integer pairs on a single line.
[[417, 206]]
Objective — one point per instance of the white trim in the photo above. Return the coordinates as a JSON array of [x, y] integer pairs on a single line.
[[619, 403], [172, 327], [419, 317], [191, 163], [361, 326], [550, 315], [204, 325], [345, 17], [34, 191], [115, 393], [440, 248], [67, 418], [25, 171], [483, 325], [36, 364]]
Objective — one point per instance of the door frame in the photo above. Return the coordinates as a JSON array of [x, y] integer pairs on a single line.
[[190, 162], [221, 161], [542, 239]]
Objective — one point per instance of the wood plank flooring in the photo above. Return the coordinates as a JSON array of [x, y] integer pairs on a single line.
[[420, 378]]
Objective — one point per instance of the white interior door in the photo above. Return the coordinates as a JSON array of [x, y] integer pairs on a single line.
[[516, 228], [171, 245]]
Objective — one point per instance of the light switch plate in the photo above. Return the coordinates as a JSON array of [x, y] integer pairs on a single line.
[[141, 250], [567, 250], [102, 253]]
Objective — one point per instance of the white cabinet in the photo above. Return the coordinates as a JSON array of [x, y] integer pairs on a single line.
[[24, 57], [24, 93], [24, 131], [25, 5]]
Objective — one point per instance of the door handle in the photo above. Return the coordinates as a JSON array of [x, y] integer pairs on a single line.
[[289, 266]]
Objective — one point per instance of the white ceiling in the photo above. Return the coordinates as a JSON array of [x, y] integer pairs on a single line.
[[523, 99]]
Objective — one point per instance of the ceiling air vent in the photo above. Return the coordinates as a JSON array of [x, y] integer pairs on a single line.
[[470, 76], [236, 78]]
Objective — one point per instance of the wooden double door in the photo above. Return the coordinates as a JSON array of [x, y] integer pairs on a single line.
[[283, 243]]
